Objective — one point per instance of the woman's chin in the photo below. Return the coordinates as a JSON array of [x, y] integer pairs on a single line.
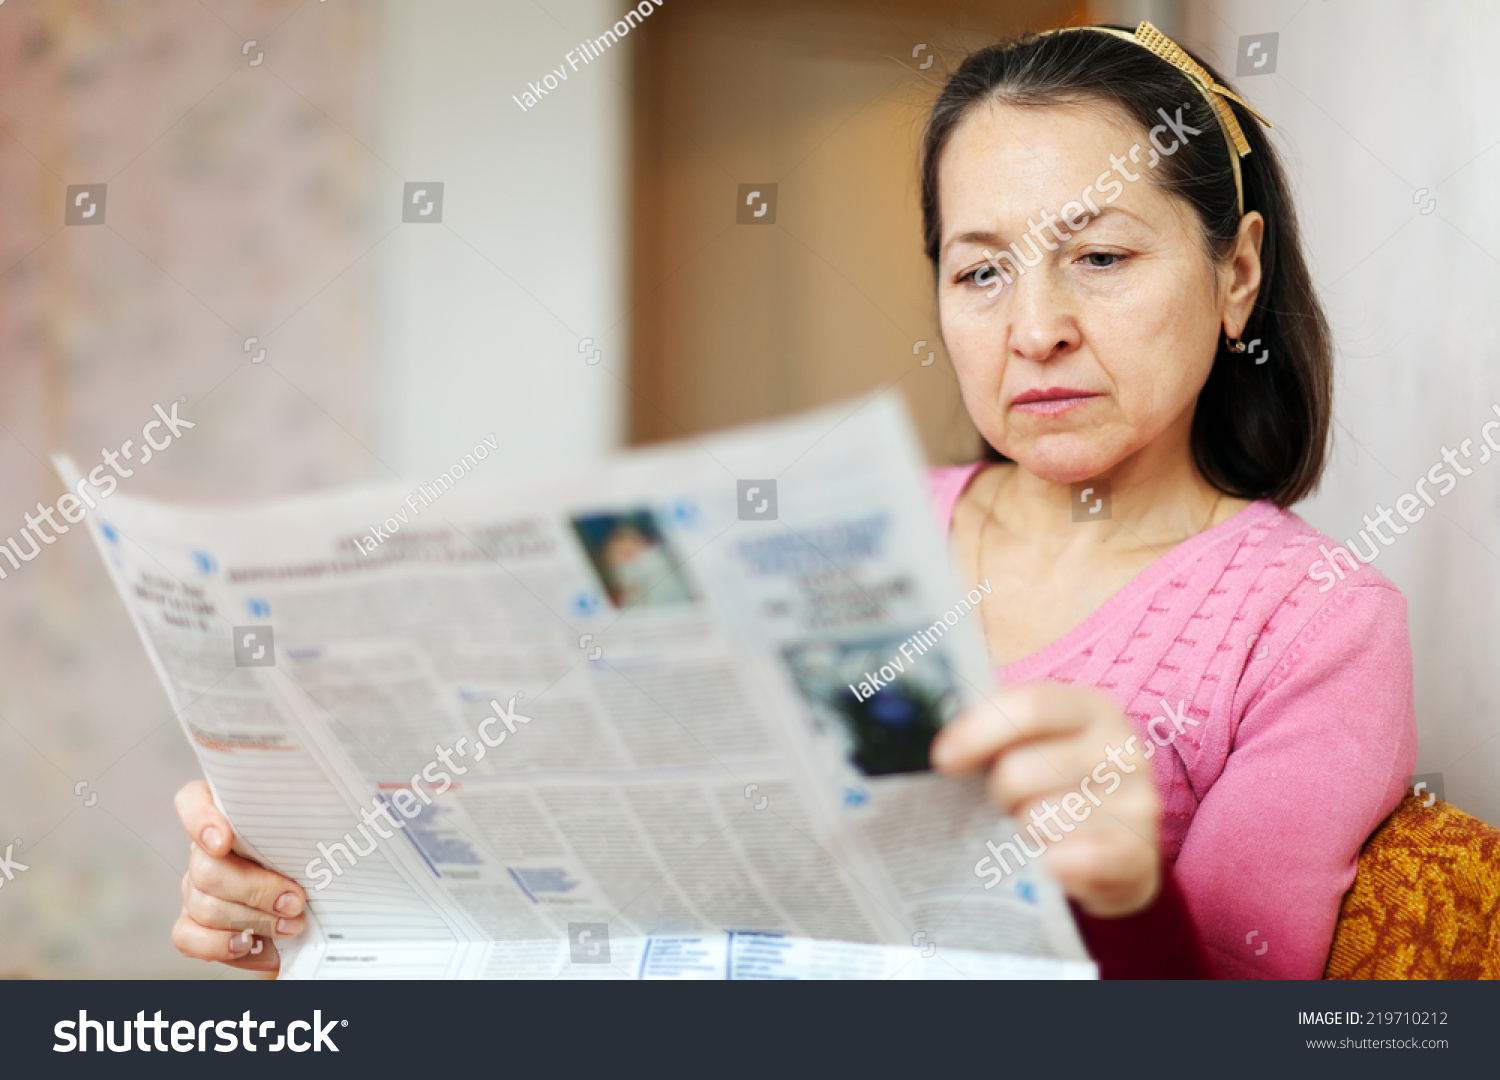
[[1070, 476], [1063, 464]]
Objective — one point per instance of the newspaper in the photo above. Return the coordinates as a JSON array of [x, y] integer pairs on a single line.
[[645, 719]]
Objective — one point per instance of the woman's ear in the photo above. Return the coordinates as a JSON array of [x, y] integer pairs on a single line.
[[1243, 274]]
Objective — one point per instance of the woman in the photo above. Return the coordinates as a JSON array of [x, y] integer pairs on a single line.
[[1121, 288]]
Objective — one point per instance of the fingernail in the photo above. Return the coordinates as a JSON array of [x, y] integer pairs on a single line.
[[288, 904], [211, 838], [239, 945], [288, 926]]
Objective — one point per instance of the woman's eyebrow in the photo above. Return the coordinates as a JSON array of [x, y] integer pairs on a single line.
[[1090, 217], [975, 236], [989, 238]]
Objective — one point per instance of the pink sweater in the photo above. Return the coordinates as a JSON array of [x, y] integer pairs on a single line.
[[1306, 730]]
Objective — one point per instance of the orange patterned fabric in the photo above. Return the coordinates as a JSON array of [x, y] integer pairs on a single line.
[[1425, 902]]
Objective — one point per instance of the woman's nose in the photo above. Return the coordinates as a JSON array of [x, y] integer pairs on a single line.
[[1043, 324]]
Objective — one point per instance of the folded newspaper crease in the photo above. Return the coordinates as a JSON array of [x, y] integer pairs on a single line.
[[602, 724]]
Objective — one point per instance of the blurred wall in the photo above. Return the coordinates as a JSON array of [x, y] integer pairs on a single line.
[[482, 319], [827, 294], [254, 156], [1383, 112]]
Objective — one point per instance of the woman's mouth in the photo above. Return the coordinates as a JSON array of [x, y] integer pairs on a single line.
[[1051, 402]]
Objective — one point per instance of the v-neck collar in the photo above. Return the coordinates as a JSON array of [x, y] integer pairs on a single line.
[[1129, 596]]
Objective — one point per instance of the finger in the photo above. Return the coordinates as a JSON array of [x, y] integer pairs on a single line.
[[202, 819], [215, 914], [235, 948], [1047, 767], [240, 881], [1010, 717], [1108, 876], [973, 738], [1102, 839]]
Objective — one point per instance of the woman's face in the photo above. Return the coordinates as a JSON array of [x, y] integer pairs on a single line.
[[1100, 349], [625, 543]]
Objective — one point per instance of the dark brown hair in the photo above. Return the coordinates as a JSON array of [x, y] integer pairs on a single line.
[[1260, 431]]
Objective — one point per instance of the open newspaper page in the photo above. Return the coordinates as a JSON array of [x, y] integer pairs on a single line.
[[645, 719]]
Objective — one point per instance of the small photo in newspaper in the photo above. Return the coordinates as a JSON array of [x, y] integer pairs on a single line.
[[882, 704], [635, 563]]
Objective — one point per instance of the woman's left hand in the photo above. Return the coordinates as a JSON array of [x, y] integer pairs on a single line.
[[1040, 742]]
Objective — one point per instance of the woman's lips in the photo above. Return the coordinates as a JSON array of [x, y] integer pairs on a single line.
[[1051, 402]]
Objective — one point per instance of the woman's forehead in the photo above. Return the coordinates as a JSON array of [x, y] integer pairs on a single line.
[[1005, 164], [1031, 149]]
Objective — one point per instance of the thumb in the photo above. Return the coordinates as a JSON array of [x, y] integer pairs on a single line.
[[202, 819]]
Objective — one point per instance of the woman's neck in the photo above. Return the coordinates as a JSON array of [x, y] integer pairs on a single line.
[[1155, 498]]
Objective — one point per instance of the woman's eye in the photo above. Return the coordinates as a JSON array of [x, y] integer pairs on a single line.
[[981, 276], [1102, 260]]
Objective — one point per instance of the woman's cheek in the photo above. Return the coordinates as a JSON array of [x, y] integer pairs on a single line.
[[979, 382], [1152, 399], [974, 347]]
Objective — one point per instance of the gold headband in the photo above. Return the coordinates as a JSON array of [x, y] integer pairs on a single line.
[[1153, 40]]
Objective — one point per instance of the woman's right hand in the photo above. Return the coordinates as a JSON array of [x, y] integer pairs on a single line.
[[232, 909], [1045, 741]]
